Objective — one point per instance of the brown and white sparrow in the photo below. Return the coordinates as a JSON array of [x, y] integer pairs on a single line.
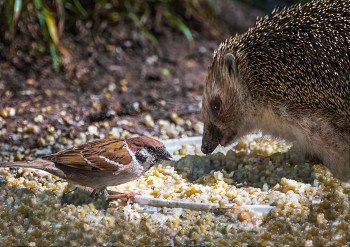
[[101, 163]]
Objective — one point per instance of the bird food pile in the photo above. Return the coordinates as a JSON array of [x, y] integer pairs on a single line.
[[311, 207]]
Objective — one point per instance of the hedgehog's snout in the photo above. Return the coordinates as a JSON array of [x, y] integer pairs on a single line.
[[211, 137], [208, 147]]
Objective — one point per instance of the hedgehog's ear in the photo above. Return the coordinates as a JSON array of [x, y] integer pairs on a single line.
[[230, 62]]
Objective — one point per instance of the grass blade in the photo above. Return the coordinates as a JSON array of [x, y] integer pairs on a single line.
[[61, 14], [9, 13], [51, 25], [17, 11], [80, 8], [212, 5], [55, 57], [181, 26], [67, 56], [139, 24]]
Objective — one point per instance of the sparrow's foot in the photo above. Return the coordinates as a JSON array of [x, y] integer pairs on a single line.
[[102, 192], [128, 196]]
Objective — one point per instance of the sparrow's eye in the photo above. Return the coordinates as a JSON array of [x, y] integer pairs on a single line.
[[215, 106], [152, 149]]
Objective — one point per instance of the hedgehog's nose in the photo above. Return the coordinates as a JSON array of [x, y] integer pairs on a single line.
[[208, 147]]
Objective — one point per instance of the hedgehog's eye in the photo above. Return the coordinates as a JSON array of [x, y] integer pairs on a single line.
[[215, 106]]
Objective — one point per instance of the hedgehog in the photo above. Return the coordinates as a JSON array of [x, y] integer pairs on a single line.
[[289, 77]]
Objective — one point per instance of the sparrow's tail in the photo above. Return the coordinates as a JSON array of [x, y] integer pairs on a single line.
[[44, 165], [37, 164]]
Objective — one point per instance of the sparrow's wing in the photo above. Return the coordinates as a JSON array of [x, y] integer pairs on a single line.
[[101, 155]]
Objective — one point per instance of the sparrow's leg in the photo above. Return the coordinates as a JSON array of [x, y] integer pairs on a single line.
[[128, 196]]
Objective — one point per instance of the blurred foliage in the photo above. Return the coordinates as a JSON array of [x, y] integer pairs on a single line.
[[51, 16], [269, 5], [175, 11], [167, 9], [47, 21]]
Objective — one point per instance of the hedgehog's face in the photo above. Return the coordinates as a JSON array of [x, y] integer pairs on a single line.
[[222, 105]]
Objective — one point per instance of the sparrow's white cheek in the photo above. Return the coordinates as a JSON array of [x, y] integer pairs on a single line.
[[138, 169]]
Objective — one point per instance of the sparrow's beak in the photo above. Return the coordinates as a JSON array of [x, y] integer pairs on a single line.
[[165, 155]]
